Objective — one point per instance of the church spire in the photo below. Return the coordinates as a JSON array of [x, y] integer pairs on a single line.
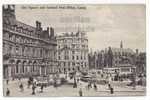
[[121, 44]]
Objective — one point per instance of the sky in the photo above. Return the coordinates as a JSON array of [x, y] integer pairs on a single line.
[[105, 25]]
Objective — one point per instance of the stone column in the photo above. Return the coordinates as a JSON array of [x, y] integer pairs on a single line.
[[40, 70], [45, 70], [9, 71]]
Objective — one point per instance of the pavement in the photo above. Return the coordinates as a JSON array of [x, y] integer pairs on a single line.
[[68, 90]]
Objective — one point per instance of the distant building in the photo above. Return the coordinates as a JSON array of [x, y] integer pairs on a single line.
[[111, 57], [72, 52], [96, 59], [140, 62], [121, 55], [27, 50]]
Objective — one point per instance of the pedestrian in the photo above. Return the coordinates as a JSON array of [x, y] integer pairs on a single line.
[[109, 86], [80, 92], [29, 83], [7, 81], [95, 87], [78, 80], [8, 92], [90, 84], [111, 90], [19, 78], [42, 86], [33, 89], [13, 79], [55, 84], [75, 85], [21, 87]]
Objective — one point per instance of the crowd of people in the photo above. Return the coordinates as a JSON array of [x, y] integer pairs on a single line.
[[31, 84]]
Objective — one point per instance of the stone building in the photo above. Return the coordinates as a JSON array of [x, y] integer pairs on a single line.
[[27, 50], [111, 57], [140, 62], [122, 55], [72, 52]]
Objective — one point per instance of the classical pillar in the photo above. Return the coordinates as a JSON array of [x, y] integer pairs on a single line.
[[9, 71], [45, 70], [40, 70], [19, 68], [5, 69]]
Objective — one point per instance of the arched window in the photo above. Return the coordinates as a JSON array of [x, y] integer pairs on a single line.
[[34, 66], [17, 39], [13, 38], [77, 58], [41, 53], [21, 39], [6, 36], [17, 69], [33, 52], [25, 40], [123, 53], [17, 66], [23, 68], [15, 27], [23, 51], [10, 49], [29, 54]]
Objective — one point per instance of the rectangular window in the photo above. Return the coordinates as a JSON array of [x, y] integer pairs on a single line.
[[41, 53], [68, 63], [64, 63], [73, 63], [73, 52], [66, 57], [17, 50], [59, 58], [72, 57], [73, 45], [77, 57], [59, 53], [85, 64], [84, 58]]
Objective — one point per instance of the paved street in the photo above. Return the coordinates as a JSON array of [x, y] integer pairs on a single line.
[[68, 90]]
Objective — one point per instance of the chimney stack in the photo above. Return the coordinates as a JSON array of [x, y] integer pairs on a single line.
[[51, 32], [37, 25], [48, 30], [137, 51]]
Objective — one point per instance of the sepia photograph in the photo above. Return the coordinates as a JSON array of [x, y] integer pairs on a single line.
[[74, 50]]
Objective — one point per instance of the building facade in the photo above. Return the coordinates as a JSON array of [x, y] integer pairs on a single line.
[[27, 50], [140, 63], [72, 52], [111, 57], [96, 59], [122, 55]]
